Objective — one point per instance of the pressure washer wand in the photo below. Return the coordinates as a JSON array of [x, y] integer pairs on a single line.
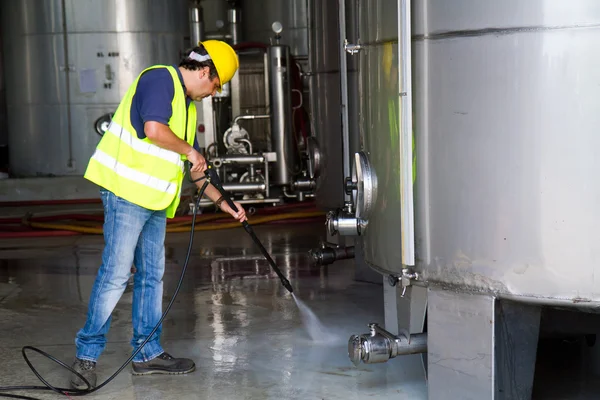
[[213, 178]]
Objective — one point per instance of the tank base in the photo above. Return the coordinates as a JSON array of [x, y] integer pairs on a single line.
[[479, 347]]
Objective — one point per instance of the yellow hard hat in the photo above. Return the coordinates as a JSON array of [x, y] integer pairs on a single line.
[[224, 57]]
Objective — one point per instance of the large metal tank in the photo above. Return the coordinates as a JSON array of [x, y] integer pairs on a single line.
[[507, 132], [505, 129], [505, 193], [69, 62], [259, 15]]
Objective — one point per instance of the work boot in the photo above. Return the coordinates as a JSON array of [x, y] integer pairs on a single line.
[[88, 370], [164, 364]]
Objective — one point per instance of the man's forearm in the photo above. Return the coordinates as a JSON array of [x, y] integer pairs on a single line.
[[211, 192]]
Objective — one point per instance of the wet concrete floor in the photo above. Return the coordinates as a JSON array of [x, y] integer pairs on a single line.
[[232, 317]]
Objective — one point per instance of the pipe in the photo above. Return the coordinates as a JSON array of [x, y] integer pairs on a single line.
[[343, 222], [196, 23], [238, 159], [67, 68], [344, 94], [326, 255], [306, 184], [217, 36], [379, 345], [281, 110], [244, 187], [249, 143], [235, 18], [406, 134], [259, 116], [235, 28], [207, 203]]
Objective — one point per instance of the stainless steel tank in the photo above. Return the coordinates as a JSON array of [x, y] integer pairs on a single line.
[[258, 15], [504, 101], [507, 131], [505, 128], [69, 62]]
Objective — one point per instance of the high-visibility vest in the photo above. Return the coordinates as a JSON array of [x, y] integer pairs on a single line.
[[136, 169]]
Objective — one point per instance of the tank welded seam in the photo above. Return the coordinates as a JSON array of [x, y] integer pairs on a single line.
[[498, 31]]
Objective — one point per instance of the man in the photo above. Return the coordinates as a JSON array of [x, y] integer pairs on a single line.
[[139, 166]]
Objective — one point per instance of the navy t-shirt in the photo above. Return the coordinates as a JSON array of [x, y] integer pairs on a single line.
[[152, 100]]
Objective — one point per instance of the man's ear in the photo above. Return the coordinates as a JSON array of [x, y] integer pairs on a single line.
[[205, 71]]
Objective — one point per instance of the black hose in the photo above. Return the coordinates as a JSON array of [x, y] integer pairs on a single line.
[[211, 178], [89, 390]]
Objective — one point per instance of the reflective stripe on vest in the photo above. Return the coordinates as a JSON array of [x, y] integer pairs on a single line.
[[132, 174], [144, 147]]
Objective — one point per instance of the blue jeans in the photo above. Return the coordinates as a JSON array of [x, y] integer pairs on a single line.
[[132, 235]]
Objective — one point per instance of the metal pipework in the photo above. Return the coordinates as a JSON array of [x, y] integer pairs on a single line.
[[238, 159], [281, 111], [196, 23], [379, 345], [304, 184], [343, 222], [244, 187], [259, 116], [234, 16], [299, 195], [326, 255], [272, 201]]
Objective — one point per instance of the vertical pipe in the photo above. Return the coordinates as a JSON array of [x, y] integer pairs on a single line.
[[196, 23], [344, 89], [406, 133], [70, 162], [281, 111], [235, 19], [352, 79]]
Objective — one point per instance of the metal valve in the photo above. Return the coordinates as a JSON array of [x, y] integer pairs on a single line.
[[406, 279], [352, 48]]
